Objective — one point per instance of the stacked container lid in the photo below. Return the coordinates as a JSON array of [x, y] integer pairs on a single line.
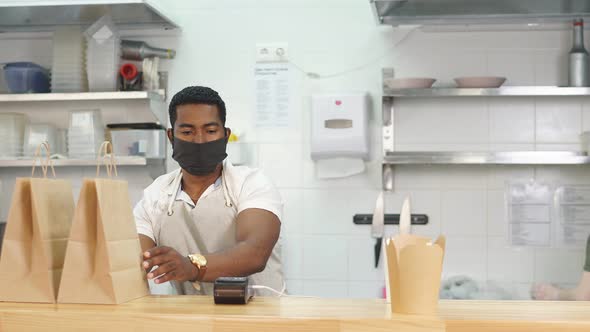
[[69, 68], [85, 134], [103, 52], [12, 132]]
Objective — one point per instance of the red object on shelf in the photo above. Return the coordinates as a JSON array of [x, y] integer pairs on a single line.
[[128, 71]]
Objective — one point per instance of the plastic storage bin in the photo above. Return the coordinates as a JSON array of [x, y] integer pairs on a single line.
[[103, 54], [12, 132], [26, 77], [36, 134], [145, 142], [85, 134], [69, 63]]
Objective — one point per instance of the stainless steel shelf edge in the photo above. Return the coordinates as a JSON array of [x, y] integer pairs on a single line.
[[487, 158], [155, 167], [20, 16], [474, 12], [121, 161], [158, 107], [507, 91], [82, 96], [156, 99]]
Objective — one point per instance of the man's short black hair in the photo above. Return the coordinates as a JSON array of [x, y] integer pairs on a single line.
[[196, 95]]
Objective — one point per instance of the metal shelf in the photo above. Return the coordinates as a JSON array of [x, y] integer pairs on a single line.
[[487, 158], [155, 167], [83, 96], [121, 161], [507, 91], [156, 99], [477, 12], [19, 16]]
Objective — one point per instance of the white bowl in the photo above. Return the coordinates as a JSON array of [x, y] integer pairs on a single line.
[[409, 83], [480, 82]]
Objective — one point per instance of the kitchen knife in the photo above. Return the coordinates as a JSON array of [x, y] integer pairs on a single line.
[[405, 217], [377, 227]]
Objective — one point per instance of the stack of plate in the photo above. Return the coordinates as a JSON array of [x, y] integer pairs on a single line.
[[69, 68], [103, 52], [12, 132], [86, 133]]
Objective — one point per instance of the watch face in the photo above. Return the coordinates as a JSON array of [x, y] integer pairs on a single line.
[[201, 260]]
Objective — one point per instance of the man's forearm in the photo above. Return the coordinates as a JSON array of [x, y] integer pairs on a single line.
[[567, 294], [146, 243], [580, 293], [243, 259]]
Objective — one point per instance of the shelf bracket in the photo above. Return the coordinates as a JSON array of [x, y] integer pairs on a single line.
[[388, 133], [157, 104], [387, 177]]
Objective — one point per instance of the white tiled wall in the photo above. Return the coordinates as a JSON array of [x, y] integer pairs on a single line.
[[324, 253]]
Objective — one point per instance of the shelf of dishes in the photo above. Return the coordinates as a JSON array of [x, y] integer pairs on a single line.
[[471, 86], [487, 158], [507, 91]]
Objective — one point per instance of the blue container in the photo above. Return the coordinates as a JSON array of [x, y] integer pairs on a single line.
[[26, 77]]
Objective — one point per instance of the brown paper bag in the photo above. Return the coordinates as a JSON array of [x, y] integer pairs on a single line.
[[36, 235], [103, 259]]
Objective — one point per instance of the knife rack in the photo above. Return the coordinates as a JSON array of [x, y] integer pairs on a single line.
[[390, 219]]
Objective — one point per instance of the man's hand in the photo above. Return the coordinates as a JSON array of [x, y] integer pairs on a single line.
[[171, 265]]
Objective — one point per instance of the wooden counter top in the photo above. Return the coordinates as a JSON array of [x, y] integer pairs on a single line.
[[196, 313]]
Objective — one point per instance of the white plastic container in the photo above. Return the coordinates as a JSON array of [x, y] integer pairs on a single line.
[[148, 143], [38, 133], [103, 49], [238, 153], [85, 134], [68, 71], [12, 132]]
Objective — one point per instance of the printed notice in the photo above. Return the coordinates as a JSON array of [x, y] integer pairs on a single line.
[[273, 92], [529, 234], [573, 216], [529, 213]]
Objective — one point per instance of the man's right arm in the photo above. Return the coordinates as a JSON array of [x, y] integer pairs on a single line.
[[579, 293], [144, 226], [146, 243]]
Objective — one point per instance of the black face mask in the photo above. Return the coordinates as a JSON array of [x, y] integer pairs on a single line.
[[199, 158]]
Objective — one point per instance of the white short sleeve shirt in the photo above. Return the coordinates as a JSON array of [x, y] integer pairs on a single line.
[[248, 188]]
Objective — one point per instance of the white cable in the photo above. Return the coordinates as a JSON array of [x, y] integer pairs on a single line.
[[282, 292], [279, 294], [313, 75]]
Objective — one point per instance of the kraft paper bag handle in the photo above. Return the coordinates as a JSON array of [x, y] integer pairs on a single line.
[[108, 159], [43, 162]]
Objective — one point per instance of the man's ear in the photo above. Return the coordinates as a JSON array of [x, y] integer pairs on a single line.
[[227, 133], [170, 135]]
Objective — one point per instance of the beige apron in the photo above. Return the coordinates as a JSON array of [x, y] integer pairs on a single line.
[[207, 228]]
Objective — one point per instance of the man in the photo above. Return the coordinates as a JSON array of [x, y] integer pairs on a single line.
[[210, 218], [581, 292]]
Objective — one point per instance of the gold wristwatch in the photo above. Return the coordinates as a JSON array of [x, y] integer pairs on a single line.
[[200, 262]]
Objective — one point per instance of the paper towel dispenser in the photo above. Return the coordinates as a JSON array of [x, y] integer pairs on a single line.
[[340, 126]]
